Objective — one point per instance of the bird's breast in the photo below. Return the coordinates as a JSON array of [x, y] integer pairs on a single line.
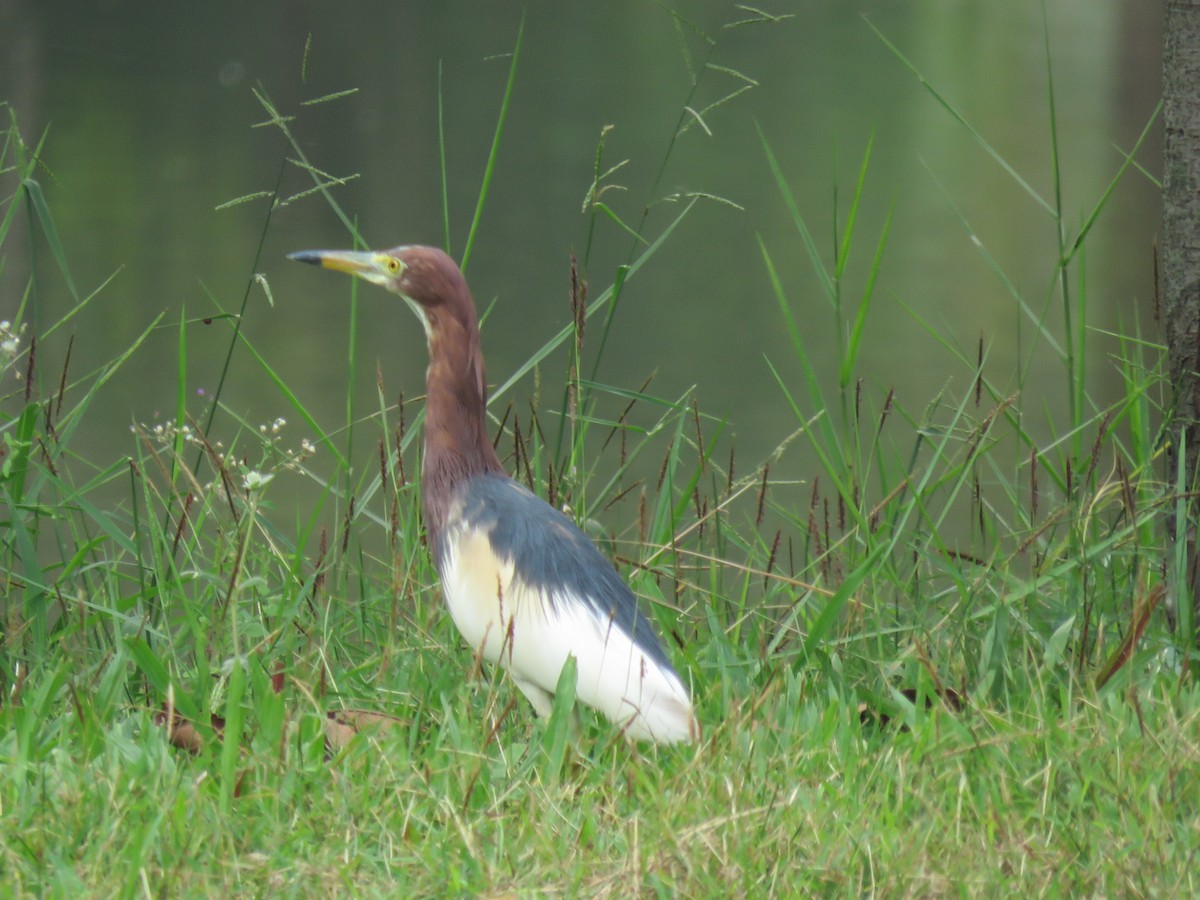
[[479, 590]]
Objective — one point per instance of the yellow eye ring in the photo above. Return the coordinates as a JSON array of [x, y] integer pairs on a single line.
[[394, 265]]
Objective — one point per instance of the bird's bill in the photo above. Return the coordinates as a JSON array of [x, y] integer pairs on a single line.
[[365, 264]]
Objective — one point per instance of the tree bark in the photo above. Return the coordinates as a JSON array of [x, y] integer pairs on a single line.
[[1180, 280]]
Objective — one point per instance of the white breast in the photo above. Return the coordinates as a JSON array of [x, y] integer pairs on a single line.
[[518, 626]]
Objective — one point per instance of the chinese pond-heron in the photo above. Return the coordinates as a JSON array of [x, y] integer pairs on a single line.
[[523, 584]]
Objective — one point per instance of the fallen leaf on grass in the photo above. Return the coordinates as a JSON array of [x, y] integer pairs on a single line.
[[340, 727], [182, 733]]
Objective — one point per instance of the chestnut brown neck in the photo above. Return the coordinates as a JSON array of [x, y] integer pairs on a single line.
[[457, 446]]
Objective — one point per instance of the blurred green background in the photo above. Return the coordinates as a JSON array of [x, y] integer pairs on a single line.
[[150, 114]]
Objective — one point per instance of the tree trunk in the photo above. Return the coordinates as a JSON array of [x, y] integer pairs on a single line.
[[1181, 275]]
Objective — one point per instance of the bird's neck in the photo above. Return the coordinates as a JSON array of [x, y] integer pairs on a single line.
[[457, 445]]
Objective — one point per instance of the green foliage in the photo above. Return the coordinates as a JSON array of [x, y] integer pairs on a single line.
[[941, 671]]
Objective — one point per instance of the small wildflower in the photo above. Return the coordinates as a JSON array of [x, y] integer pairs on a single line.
[[10, 341], [253, 481]]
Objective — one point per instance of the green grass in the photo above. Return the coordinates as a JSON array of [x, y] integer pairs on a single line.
[[946, 671]]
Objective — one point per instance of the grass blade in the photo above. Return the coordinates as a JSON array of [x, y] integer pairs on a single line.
[[495, 151], [37, 199], [558, 728], [958, 117]]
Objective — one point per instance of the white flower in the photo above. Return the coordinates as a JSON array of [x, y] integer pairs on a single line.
[[253, 481]]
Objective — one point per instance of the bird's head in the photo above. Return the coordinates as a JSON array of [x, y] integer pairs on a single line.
[[426, 279]]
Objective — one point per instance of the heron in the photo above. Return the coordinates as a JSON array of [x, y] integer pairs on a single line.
[[525, 587]]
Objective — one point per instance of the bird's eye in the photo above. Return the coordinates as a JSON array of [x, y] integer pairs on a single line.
[[394, 265]]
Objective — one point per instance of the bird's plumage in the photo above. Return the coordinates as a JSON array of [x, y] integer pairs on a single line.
[[528, 589], [524, 586]]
